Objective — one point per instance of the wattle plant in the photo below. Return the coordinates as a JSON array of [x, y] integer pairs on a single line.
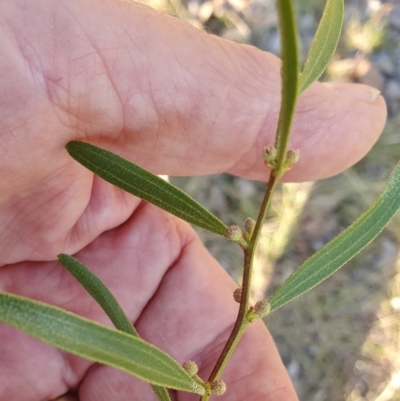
[[122, 348]]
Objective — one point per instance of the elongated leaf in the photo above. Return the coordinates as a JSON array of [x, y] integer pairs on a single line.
[[96, 288], [140, 182], [344, 247], [290, 76], [102, 295], [324, 43], [93, 341]]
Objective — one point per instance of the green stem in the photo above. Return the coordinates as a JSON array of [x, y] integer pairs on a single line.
[[273, 181], [241, 320], [290, 74]]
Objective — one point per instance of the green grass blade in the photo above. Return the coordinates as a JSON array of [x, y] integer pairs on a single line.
[[324, 43], [290, 76], [342, 248], [93, 341], [102, 295], [140, 182]]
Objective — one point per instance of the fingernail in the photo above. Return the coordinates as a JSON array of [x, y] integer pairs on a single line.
[[360, 92]]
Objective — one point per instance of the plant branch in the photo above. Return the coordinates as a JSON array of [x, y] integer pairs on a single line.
[[280, 163], [241, 320]]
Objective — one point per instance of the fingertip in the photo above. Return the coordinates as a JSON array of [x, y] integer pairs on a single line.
[[336, 125], [358, 92], [349, 120]]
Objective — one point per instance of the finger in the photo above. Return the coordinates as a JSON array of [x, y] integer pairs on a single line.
[[177, 100], [169, 96]]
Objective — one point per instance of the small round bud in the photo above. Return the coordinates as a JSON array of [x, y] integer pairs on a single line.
[[218, 387], [249, 225], [190, 367], [292, 156], [269, 153], [262, 308], [234, 233], [237, 295]]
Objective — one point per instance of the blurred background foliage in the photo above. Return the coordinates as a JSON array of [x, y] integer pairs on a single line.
[[341, 341]]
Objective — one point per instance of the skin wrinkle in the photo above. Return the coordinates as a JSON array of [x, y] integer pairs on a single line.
[[91, 217], [22, 212], [185, 243], [181, 79], [250, 89], [131, 94], [77, 118], [258, 72], [31, 61], [109, 76], [327, 124], [51, 87], [159, 117], [200, 151], [246, 162], [140, 90], [175, 102], [75, 234]]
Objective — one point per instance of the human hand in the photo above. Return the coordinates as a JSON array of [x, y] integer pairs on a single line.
[[176, 101]]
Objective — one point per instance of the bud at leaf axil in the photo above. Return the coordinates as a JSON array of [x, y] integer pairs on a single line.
[[218, 387], [237, 295], [190, 367], [234, 233], [262, 308]]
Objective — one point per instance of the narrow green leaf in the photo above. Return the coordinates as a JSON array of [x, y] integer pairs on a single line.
[[324, 43], [102, 295], [290, 76], [344, 247], [93, 341], [139, 182], [97, 289]]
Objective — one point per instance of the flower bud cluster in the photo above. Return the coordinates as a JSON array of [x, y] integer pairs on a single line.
[[262, 308], [269, 154], [258, 311], [237, 295], [292, 156], [270, 158], [249, 226], [218, 387], [191, 368], [234, 233]]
